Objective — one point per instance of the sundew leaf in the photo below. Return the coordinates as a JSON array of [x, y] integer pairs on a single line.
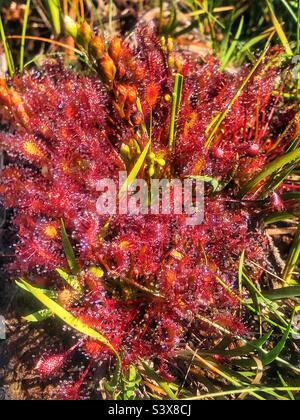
[[269, 169], [74, 267], [39, 316], [164, 386], [67, 317], [272, 355]]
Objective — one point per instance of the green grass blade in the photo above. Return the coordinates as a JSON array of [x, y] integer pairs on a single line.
[[240, 90], [252, 344], [50, 293], [71, 280], [213, 181], [248, 348], [290, 196], [293, 257], [140, 109], [225, 42], [298, 29], [282, 293], [97, 16], [269, 358], [7, 51], [153, 375], [241, 391], [253, 41], [67, 317], [38, 316], [177, 94], [241, 268], [279, 30], [134, 173], [25, 22], [286, 385], [110, 16], [250, 307], [278, 217], [233, 46], [269, 170], [54, 9], [290, 10], [74, 267]]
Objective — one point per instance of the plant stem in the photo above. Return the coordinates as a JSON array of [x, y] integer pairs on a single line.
[[23, 36]]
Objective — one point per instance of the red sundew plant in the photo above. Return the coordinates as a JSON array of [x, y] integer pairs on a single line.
[[141, 281]]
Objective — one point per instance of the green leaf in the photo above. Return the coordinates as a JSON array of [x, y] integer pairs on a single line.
[[97, 272], [50, 293], [153, 375], [26, 14], [71, 280], [129, 383], [97, 16], [214, 182], [241, 269], [293, 257], [68, 318], [290, 196], [238, 93], [140, 109], [279, 30], [177, 95], [134, 173], [233, 45], [38, 316], [278, 217], [7, 51], [272, 355], [54, 9], [282, 293], [250, 347], [74, 267], [269, 169]]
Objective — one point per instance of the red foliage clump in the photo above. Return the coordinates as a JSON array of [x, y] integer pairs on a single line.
[[64, 131]]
